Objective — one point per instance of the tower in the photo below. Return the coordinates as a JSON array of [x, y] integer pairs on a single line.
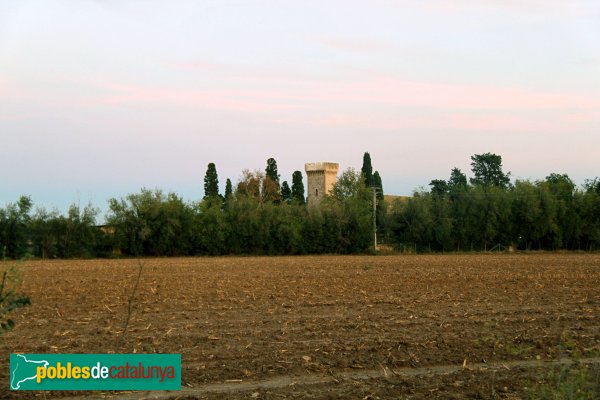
[[321, 178]]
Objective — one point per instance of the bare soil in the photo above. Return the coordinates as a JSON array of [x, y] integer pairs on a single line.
[[467, 326]]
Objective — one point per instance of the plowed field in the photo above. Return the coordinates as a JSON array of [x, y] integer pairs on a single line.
[[435, 326]]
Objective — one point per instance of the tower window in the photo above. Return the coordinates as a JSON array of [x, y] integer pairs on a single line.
[[316, 192]]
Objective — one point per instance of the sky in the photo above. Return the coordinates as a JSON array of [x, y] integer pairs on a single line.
[[101, 98]]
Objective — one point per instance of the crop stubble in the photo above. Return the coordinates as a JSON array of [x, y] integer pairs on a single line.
[[256, 319]]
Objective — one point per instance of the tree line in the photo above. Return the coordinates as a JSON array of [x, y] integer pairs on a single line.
[[260, 215], [488, 211], [264, 216]]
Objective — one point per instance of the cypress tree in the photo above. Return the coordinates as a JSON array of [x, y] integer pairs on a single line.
[[377, 183], [271, 170], [367, 170], [211, 182], [228, 192], [228, 189], [297, 187], [286, 192], [270, 186]]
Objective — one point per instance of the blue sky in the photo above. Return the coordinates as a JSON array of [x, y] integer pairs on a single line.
[[101, 98]]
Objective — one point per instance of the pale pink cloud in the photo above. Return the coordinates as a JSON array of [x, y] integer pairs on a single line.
[[8, 116], [195, 66], [538, 7], [9, 96], [376, 101], [392, 91], [8, 88], [355, 45], [247, 101], [444, 121], [583, 116], [379, 91], [502, 123], [385, 103]]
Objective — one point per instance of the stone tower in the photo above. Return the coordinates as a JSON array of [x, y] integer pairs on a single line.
[[321, 178]]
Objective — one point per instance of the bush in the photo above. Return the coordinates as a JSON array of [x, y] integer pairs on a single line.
[[569, 382], [9, 300]]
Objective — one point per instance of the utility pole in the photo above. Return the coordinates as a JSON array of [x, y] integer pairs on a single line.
[[374, 218]]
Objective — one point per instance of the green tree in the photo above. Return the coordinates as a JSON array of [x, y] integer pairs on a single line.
[[383, 223], [298, 188], [271, 170], [460, 204], [76, 233], [248, 233], [442, 222], [562, 189], [228, 189], [286, 192], [348, 185], [527, 215], [355, 201], [379, 185], [439, 187], [367, 170], [211, 230], [588, 205], [211, 182], [14, 224], [228, 192], [560, 185], [489, 217], [487, 169], [321, 234], [271, 190], [592, 185], [152, 223], [457, 181], [413, 222], [43, 235], [281, 228]]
